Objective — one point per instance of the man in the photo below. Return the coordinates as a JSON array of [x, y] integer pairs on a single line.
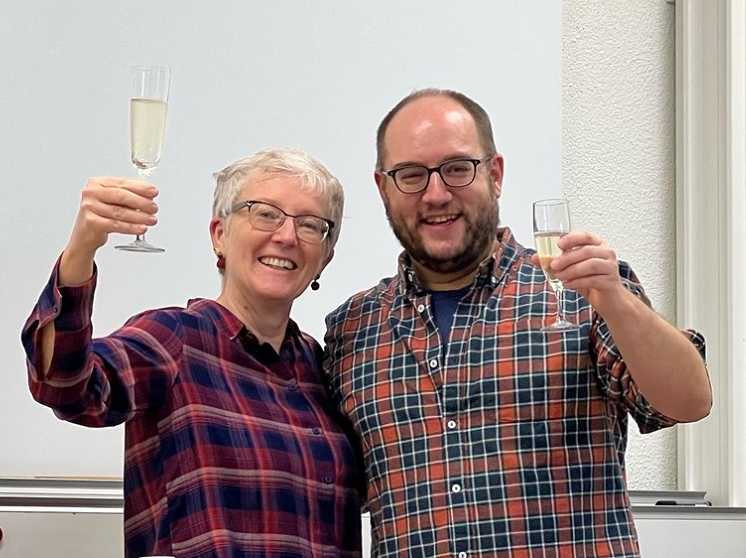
[[485, 435]]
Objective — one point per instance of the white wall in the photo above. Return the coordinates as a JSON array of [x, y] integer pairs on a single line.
[[247, 75], [330, 73], [618, 160]]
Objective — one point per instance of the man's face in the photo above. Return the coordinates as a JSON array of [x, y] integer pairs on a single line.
[[444, 229]]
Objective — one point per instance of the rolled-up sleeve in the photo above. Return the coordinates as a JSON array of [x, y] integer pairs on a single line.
[[613, 374]]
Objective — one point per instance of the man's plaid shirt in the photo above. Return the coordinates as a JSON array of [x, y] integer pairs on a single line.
[[506, 441]]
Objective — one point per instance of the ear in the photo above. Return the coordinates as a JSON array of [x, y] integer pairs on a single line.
[[497, 169], [217, 234], [380, 179]]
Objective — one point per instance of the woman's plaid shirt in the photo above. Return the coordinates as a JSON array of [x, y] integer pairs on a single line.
[[506, 441], [231, 449]]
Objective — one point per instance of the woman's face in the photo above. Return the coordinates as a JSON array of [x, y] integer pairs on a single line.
[[276, 266]]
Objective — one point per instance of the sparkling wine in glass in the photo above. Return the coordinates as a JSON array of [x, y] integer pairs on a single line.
[[148, 108], [551, 221]]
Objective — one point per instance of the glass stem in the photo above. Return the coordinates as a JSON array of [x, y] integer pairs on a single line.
[[142, 173], [560, 304]]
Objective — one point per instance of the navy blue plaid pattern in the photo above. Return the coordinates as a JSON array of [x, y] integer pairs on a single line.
[[231, 450]]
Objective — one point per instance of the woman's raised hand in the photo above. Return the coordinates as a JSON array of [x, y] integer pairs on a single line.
[[108, 205]]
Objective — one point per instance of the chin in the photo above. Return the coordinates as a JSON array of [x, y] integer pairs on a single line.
[[444, 253], [278, 297]]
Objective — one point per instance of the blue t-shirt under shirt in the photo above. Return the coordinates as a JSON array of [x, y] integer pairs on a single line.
[[444, 308]]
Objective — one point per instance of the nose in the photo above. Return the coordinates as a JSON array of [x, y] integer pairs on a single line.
[[286, 233], [436, 192]]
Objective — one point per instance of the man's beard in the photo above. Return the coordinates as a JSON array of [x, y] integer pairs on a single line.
[[479, 234]]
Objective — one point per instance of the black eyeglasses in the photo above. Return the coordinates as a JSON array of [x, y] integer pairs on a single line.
[[268, 218], [456, 173]]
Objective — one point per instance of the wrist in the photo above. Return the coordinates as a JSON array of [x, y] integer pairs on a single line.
[[76, 266], [619, 305]]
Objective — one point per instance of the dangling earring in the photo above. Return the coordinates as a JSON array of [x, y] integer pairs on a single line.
[[315, 283]]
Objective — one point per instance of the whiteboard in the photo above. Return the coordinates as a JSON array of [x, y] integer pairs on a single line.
[[247, 75]]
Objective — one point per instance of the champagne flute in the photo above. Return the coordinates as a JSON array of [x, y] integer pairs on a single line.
[[148, 107], [552, 221]]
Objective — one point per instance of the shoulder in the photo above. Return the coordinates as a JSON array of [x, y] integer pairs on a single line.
[[631, 282], [364, 302], [165, 315], [523, 269], [163, 324], [310, 346]]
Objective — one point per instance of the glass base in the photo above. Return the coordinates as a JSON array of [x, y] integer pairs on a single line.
[[140, 245], [560, 325]]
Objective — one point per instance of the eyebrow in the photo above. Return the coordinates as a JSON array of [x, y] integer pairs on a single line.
[[451, 157], [275, 204]]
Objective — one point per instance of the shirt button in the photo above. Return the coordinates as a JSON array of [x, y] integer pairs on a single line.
[[420, 308], [455, 488], [462, 555], [433, 363], [451, 424], [327, 479], [316, 431]]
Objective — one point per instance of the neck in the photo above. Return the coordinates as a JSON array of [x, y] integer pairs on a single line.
[[267, 321], [450, 281]]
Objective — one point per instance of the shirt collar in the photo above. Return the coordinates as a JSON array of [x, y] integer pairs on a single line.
[[226, 321], [489, 273]]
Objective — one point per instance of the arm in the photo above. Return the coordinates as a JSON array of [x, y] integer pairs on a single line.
[[97, 382], [107, 205], [666, 367], [330, 359]]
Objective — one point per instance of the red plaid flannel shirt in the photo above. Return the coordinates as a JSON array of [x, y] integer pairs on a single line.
[[508, 441]]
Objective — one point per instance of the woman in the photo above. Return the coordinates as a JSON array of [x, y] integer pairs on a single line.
[[232, 448]]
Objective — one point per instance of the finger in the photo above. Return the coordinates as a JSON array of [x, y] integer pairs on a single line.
[[587, 252], [141, 187], [119, 197], [115, 226], [591, 282], [588, 268], [574, 239], [123, 214]]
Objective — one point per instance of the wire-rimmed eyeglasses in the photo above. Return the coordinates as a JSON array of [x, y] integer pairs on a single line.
[[269, 218], [456, 173]]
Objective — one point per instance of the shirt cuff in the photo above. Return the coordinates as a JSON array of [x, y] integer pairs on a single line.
[[71, 306]]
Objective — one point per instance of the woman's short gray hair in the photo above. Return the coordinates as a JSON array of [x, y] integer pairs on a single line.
[[289, 162]]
